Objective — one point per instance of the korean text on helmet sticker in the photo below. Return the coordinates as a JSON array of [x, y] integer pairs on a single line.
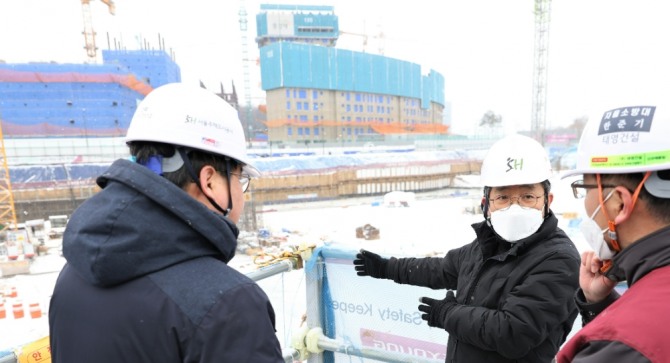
[[627, 119]]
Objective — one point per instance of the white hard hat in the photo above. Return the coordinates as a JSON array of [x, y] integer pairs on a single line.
[[626, 139], [631, 138], [515, 160], [190, 116]]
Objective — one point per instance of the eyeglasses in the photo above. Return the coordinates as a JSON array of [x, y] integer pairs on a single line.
[[579, 189], [244, 179], [527, 200]]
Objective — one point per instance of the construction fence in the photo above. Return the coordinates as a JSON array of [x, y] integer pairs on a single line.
[[361, 181], [274, 188]]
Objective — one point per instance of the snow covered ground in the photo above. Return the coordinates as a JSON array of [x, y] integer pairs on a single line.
[[433, 224]]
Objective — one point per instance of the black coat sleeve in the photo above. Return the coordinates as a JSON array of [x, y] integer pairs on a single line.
[[526, 315], [432, 272], [589, 311]]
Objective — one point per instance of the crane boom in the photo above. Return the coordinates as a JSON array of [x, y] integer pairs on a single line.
[[89, 33], [110, 5]]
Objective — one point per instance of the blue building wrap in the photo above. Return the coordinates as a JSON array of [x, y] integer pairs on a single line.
[[297, 65], [154, 67], [80, 100]]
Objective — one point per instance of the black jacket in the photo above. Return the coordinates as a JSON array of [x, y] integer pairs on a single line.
[[515, 300], [146, 280]]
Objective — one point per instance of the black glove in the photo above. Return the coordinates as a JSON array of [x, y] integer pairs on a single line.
[[436, 310], [370, 264]]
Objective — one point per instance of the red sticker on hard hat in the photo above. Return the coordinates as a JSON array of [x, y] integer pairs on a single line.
[[627, 119], [210, 141]]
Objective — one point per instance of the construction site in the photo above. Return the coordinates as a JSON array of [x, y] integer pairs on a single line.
[[63, 123], [329, 128], [37, 200], [360, 141]]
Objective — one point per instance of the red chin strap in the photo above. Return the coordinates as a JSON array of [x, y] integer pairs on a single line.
[[611, 233]]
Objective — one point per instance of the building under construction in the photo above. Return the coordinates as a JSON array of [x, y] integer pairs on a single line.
[[55, 116], [64, 124], [317, 93], [80, 100]]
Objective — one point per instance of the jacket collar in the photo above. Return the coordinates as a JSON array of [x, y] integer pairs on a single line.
[[140, 223], [641, 257]]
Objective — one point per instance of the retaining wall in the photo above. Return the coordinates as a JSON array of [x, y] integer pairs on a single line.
[[278, 188]]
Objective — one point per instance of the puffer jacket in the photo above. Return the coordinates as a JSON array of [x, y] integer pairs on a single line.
[[147, 280], [515, 300]]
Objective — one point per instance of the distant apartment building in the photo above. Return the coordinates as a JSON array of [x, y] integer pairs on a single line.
[[51, 100], [318, 93], [54, 113]]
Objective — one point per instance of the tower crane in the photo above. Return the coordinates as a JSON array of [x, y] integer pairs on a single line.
[[89, 33], [242, 13], [541, 53], [7, 209]]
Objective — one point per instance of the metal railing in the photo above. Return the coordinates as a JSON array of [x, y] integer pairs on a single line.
[[286, 264]]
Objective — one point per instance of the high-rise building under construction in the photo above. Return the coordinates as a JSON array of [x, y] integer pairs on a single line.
[[316, 92]]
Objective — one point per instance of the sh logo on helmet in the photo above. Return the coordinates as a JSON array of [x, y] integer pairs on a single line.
[[514, 164]]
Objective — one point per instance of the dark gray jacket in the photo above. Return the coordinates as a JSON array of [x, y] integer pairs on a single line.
[[640, 312], [515, 300], [146, 280]]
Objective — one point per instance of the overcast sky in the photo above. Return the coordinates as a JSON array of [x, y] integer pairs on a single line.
[[600, 50]]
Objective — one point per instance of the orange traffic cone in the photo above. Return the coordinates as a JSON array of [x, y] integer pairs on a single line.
[[11, 292], [17, 309], [35, 310], [3, 311]]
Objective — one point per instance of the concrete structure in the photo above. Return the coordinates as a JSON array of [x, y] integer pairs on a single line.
[[280, 187]]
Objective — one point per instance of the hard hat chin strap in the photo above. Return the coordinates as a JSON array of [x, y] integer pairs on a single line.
[[611, 225], [196, 179]]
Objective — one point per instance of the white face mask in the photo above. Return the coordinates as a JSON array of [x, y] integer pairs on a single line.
[[594, 235], [516, 223]]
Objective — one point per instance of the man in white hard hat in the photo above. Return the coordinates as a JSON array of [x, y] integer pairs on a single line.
[[515, 283], [146, 278], [624, 159]]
